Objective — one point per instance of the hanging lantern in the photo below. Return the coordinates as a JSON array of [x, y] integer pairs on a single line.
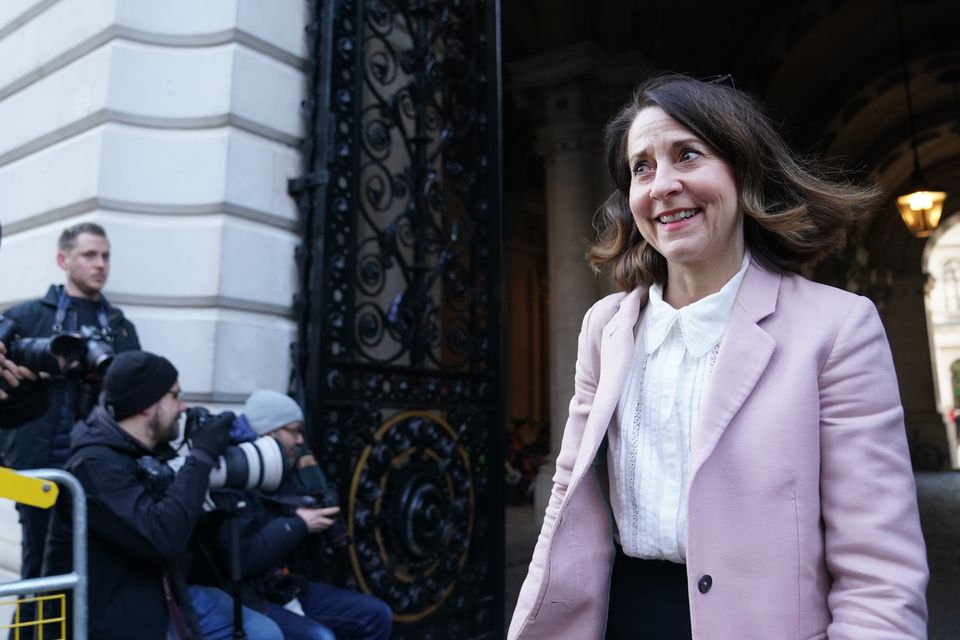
[[921, 211]]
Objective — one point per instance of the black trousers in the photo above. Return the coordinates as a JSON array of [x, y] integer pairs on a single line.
[[648, 600]]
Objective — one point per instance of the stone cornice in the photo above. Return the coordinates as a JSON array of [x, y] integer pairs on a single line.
[[108, 205], [110, 116], [120, 32]]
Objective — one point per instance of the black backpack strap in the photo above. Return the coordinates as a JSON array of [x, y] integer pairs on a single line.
[[85, 452]]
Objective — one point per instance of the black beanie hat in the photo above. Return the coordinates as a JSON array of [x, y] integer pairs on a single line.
[[136, 380]]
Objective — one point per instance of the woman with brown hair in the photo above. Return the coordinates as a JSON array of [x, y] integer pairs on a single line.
[[734, 464]]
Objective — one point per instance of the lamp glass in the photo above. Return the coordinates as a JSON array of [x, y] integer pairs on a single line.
[[921, 211]]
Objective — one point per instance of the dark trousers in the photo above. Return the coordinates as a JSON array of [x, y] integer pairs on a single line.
[[330, 610], [648, 600]]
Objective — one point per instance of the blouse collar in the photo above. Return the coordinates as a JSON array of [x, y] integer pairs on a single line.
[[702, 323]]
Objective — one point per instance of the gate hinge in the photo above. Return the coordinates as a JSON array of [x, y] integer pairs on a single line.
[[308, 182]]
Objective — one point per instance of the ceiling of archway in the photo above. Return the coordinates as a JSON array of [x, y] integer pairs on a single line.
[[829, 70]]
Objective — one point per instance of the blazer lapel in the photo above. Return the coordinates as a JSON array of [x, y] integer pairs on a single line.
[[617, 346], [744, 354]]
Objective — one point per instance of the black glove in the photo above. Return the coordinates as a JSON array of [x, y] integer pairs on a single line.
[[214, 438]]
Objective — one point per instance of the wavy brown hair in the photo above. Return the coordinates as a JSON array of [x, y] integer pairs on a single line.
[[796, 211]]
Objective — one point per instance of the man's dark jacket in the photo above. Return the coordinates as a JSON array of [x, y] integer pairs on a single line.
[[133, 538], [29, 445], [269, 533], [24, 403]]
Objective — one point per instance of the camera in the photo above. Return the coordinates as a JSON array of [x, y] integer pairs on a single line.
[[249, 465], [322, 495], [336, 535], [54, 355], [82, 357], [155, 475], [97, 355]]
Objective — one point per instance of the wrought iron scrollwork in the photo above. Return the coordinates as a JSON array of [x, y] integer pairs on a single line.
[[412, 513], [398, 351]]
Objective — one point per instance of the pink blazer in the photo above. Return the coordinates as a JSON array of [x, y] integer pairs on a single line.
[[801, 503]]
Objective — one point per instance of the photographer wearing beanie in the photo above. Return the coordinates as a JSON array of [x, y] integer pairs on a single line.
[[272, 527], [140, 519]]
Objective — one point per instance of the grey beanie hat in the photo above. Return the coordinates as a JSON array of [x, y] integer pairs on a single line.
[[268, 410]]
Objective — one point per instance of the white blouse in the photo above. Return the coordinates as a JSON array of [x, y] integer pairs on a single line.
[[649, 446]]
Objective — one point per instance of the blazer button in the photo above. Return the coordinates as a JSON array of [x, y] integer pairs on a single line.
[[705, 583]]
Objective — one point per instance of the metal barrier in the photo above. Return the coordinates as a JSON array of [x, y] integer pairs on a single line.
[[75, 580]]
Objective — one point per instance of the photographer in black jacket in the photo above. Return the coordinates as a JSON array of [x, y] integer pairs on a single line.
[[271, 528], [75, 307], [139, 521]]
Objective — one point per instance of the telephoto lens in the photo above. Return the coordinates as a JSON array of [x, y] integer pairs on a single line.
[[97, 356], [250, 465], [258, 464], [46, 355]]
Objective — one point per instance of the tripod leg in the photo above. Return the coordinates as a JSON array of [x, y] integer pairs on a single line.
[[235, 577]]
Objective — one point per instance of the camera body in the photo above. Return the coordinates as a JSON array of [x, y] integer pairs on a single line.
[[62, 354], [81, 357], [41, 355], [155, 474], [322, 494], [97, 355], [336, 535]]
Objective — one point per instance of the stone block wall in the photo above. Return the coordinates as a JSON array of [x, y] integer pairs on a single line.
[[175, 124]]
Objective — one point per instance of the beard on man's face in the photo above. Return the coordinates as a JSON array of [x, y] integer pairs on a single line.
[[164, 431]]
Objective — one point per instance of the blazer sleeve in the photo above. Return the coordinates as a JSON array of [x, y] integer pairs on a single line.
[[874, 547], [585, 385]]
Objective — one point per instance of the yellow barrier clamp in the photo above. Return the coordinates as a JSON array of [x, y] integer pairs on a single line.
[[34, 492]]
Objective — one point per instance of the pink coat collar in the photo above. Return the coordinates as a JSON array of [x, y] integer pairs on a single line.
[[744, 354]]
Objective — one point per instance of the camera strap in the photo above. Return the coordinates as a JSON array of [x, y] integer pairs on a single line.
[[177, 620], [63, 306]]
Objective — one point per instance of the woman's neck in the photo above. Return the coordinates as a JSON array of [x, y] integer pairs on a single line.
[[687, 284]]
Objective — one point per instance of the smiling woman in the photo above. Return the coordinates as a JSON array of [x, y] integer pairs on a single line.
[[796, 211], [741, 424], [684, 203]]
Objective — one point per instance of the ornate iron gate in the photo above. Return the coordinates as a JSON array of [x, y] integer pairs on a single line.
[[399, 347]]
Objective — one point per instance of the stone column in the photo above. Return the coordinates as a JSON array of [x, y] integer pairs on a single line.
[[576, 89], [904, 318], [571, 202]]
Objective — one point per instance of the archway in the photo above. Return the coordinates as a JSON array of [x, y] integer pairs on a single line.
[[941, 262]]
